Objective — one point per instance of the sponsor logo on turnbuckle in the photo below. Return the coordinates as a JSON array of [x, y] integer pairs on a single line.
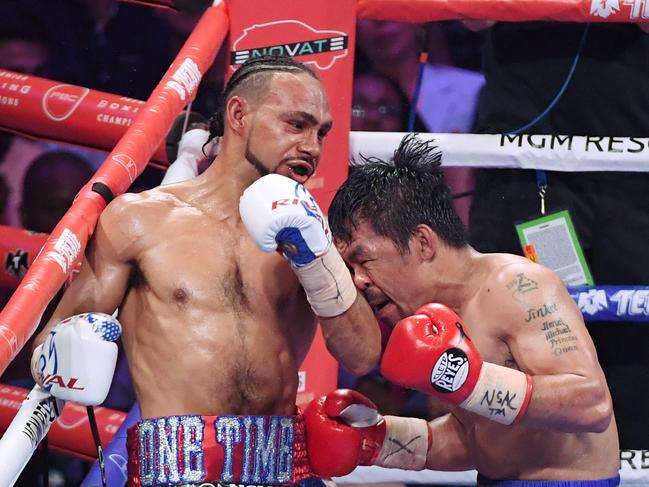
[[66, 250], [318, 47], [622, 303], [592, 301], [631, 302], [185, 79], [604, 8]]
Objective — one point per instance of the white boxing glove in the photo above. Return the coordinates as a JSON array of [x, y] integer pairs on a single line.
[[191, 151], [279, 212], [77, 360]]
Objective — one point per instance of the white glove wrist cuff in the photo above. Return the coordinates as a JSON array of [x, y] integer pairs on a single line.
[[328, 284], [406, 443], [501, 394], [192, 142], [183, 168]]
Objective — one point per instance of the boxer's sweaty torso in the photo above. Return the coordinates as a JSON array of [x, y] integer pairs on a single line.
[[211, 324]]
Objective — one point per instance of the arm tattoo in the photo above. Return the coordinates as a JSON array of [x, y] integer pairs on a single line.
[[541, 312], [520, 286], [559, 335]]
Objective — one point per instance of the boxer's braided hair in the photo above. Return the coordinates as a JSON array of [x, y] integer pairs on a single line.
[[253, 73], [395, 196]]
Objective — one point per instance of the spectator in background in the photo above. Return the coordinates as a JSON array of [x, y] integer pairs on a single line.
[[181, 25], [464, 45], [526, 65], [101, 44], [448, 96], [379, 104], [49, 187], [108, 45], [51, 183], [23, 48], [24, 43]]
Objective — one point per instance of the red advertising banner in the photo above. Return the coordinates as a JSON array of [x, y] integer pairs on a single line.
[[46, 109], [321, 34]]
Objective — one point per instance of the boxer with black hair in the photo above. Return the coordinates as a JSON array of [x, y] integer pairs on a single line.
[[494, 336]]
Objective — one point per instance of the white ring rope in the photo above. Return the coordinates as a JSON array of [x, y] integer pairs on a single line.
[[523, 151]]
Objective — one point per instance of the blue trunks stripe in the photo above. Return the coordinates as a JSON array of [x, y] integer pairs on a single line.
[[611, 482]]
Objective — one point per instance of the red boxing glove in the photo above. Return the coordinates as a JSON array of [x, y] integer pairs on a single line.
[[344, 430], [430, 352]]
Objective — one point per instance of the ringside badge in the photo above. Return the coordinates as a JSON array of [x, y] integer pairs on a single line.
[[450, 371], [552, 241]]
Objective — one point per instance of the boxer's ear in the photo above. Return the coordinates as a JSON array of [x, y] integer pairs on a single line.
[[424, 242], [235, 111]]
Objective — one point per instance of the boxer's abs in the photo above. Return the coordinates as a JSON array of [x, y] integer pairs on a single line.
[[214, 367]]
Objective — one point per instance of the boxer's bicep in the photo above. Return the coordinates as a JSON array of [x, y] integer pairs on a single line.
[[548, 334]]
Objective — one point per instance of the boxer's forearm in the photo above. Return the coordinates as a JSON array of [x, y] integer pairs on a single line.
[[353, 337], [569, 403], [448, 450]]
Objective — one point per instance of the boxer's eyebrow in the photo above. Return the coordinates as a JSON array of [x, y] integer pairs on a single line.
[[312, 120], [358, 253]]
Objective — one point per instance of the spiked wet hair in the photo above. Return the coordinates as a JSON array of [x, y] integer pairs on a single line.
[[254, 73], [394, 197]]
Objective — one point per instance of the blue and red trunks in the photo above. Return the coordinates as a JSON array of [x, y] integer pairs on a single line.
[[250, 450]]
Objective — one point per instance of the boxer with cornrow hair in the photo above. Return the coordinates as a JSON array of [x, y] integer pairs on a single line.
[[215, 321]]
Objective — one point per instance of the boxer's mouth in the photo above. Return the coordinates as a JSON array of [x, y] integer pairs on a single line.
[[300, 170]]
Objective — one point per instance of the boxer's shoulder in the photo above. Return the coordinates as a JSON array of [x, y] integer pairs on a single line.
[[507, 273], [148, 208]]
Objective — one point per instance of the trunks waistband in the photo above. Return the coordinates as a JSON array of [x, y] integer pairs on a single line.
[[610, 482], [249, 450]]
